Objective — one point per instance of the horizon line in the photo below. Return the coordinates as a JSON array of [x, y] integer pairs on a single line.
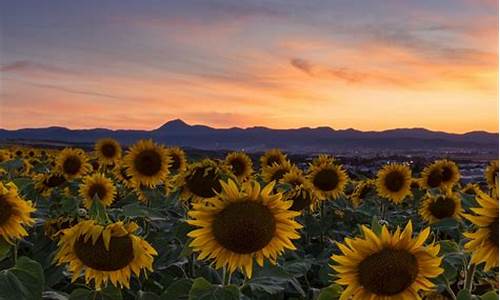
[[250, 127]]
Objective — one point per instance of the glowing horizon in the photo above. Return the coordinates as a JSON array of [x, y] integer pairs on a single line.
[[137, 65]]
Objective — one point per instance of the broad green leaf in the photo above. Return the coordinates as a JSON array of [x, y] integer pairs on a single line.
[[178, 290], [55, 295], [4, 249], [81, 294], [491, 295], [204, 290], [331, 292], [464, 295], [376, 227], [141, 295], [23, 281]]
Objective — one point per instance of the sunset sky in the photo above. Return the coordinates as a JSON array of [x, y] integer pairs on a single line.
[[369, 65]]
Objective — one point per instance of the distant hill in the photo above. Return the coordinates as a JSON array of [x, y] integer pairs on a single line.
[[253, 139]]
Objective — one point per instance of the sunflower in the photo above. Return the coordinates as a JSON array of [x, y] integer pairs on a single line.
[[121, 175], [18, 152], [471, 189], [104, 253], [439, 207], [361, 191], [147, 163], [45, 183], [393, 182], [177, 159], [72, 163], [201, 180], [302, 197], [97, 185], [240, 165], [276, 171], [53, 227], [108, 151], [387, 266], [31, 153], [491, 174], [14, 213], [242, 224], [327, 180], [483, 242], [450, 174], [271, 157], [5, 155], [294, 178], [431, 177], [323, 159], [295, 188]]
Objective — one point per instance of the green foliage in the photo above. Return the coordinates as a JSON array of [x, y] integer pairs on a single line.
[[23, 281]]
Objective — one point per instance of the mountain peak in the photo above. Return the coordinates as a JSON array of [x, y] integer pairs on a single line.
[[174, 124]]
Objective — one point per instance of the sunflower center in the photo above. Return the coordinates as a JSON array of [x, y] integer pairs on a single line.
[[95, 256], [326, 180], [446, 174], [72, 165], [5, 210], [388, 272], [54, 180], [108, 150], [238, 167], [204, 182], [394, 181], [301, 200], [273, 159], [31, 153], [175, 162], [95, 165], [148, 162], [435, 178], [493, 237], [443, 207], [98, 190], [278, 174], [364, 191], [244, 227]]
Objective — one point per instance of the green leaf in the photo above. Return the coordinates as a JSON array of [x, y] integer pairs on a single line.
[[4, 248], [108, 293], [204, 290], [464, 295], [55, 295], [98, 212], [141, 295], [81, 294], [136, 210], [12, 164], [491, 295], [331, 292], [376, 227], [178, 290], [24, 281]]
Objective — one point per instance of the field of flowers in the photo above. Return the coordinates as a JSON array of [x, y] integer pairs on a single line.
[[147, 222]]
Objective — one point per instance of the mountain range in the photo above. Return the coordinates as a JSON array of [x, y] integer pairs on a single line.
[[254, 139]]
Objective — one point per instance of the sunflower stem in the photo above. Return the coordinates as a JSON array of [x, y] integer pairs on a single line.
[[14, 253], [449, 290], [469, 279], [226, 277], [322, 214]]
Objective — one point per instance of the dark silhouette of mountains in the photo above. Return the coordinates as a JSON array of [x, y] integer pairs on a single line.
[[177, 132]]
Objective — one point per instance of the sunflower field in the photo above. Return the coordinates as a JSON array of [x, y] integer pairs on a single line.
[[147, 222]]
